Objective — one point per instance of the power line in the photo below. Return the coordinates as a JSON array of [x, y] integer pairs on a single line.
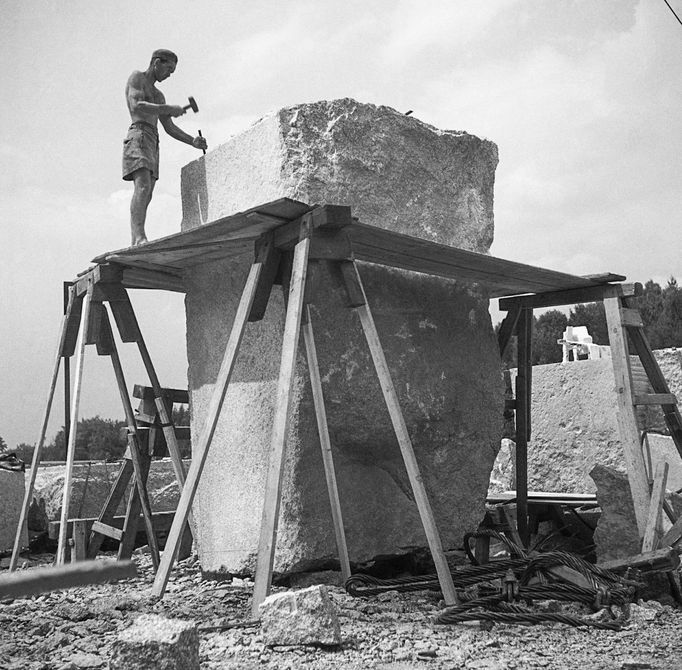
[[673, 11]]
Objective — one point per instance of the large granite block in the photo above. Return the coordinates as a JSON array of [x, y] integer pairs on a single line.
[[395, 172]]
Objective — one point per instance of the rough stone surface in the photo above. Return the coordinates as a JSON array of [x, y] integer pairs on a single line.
[[11, 498], [574, 424], [393, 631], [92, 483], [156, 642], [300, 617], [616, 535], [394, 172]]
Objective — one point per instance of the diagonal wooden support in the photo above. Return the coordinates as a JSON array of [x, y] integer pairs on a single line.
[[140, 468], [71, 447], [273, 486], [352, 277], [129, 330], [627, 419], [653, 525], [72, 316], [325, 443], [200, 450]]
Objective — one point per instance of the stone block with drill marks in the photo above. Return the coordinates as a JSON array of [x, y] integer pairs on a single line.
[[397, 173], [156, 642]]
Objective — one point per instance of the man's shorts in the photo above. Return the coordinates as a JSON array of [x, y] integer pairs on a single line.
[[141, 150]]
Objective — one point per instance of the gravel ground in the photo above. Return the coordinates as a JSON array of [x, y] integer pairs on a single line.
[[77, 628]]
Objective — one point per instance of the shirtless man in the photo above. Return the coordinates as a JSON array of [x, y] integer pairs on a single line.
[[141, 147]]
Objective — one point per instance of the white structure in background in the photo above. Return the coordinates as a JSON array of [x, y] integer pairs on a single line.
[[579, 341]]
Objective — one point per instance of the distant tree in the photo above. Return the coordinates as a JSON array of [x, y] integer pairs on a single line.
[[592, 315], [548, 328], [180, 415], [25, 452], [96, 439], [3, 445]]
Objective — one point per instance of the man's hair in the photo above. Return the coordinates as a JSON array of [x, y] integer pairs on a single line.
[[165, 55]]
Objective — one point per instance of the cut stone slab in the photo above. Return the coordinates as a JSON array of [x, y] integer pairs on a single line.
[[616, 535], [299, 617], [394, 172], [12, 489], [156, 642]]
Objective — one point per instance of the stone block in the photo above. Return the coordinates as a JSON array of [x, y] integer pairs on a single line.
[[616, 535], [394, 172], [299, 617], [574, 426], [156, 642], [92, 483], [12, 490]]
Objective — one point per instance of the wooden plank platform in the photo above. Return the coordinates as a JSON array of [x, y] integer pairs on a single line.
[[161, 263]]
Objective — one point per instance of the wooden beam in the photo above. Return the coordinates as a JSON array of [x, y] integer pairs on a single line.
[[325, 444], [627, 420], [523, 414], [405, 444], [269, 256], [653, 522], [200, 450], [507, 328], [327, 216], [660, 560], [40, 580], [73, 307], [71, 446], [571, 296], [111, 504], [273, 486], [140, 468], [656, 399]]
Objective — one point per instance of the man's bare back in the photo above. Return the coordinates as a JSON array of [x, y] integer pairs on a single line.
[[147, 105]]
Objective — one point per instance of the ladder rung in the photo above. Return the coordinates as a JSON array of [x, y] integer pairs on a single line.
[[631, 318], [656, 399], [108, 531]]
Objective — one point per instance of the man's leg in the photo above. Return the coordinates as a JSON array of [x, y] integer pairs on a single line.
[[142, 195]]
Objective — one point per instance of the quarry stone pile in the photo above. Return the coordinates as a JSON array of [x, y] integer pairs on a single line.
[[394, 172]]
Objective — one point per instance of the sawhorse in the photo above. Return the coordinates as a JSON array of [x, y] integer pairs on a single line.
[[86, 321], [317, 236]]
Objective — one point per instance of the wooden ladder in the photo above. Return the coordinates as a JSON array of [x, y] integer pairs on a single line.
[[648, 489], [148, 422]]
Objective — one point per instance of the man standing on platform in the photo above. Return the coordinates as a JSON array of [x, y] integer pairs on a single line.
[[141, 147]]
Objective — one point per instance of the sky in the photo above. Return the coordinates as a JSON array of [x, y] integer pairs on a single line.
[[582, 98]]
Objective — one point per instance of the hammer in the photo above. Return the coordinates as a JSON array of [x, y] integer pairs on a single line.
[[192, 104]]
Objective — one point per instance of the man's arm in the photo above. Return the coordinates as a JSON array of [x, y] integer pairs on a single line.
[[137, 104], [181, 135]]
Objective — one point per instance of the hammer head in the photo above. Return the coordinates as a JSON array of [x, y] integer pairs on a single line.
[[193, 104]]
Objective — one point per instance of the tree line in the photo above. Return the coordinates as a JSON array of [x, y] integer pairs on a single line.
[[661, 310], [97, 439]]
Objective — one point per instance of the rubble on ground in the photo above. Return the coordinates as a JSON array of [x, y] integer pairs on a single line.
[[79, 628]]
